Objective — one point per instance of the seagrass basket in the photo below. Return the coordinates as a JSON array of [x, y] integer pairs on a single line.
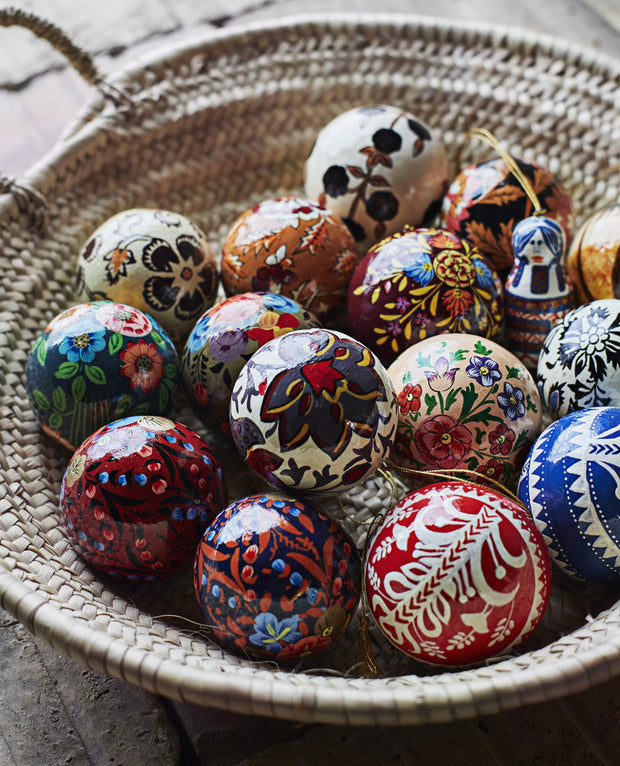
[[207, 129]]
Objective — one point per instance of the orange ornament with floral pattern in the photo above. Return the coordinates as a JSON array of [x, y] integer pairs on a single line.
[[293, 247]]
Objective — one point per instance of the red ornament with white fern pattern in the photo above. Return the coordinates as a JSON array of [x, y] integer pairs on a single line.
[[457, 573]]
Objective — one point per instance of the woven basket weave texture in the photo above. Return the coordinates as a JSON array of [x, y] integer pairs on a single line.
[[207, 131]]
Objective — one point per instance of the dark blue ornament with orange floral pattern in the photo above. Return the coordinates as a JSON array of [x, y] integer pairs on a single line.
[[138, 494], [99, 362], [276, 578]]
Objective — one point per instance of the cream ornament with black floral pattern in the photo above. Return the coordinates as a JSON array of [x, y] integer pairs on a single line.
[[156, 260]]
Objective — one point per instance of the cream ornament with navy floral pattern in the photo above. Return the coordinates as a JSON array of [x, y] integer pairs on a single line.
[[156, 260]]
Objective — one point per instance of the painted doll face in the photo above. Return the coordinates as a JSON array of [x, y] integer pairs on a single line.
[[536, 250]]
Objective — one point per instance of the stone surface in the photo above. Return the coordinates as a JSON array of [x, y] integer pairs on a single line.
[[55, 711]]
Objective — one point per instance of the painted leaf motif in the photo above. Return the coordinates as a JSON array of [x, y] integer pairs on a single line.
[[503, 195], [315, 237], [95, 374], [484, 238]]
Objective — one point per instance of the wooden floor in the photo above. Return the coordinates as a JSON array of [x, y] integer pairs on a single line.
[[54, 711]]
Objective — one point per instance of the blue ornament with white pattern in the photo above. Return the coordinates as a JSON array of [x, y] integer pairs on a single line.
[[571, 485]]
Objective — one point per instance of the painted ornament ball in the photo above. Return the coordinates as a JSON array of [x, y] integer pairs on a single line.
[[485, 201], [98, 362], [570, 484], [156, 260], [579, 364], [137, 496], [456, 574], [223, 340], [291, 246], [313, 410], [276, 578], [463, 403], [380, 168], [418, 283], [593, 260]]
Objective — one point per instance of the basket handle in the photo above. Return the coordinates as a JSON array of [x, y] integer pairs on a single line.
[[26, 197]]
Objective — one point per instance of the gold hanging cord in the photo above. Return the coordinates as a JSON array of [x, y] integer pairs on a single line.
[[485, 135]]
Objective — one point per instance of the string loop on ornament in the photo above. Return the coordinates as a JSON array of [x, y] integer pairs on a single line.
[[485, 135], [368, 666], [473, 477]]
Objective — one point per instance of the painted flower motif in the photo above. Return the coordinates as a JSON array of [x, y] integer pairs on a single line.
[[234, 311], [512, 401], [200, 334], [494, 469], [272, 634], [409, 399], [484, 370], [421, 319], [442, 441], [186, 279], [143, 365], [280, 303], [402, 303], [271, 325], [484, 275], [69, 317], [335, 181], [455, 268], [457, 301], [75, 469], [124, 319], [272, 278], [502, 440], [328, 399], [588, 344], [304, 647], [420, 269], [83, 346], [442, 377], [228, 345], [393, 328]]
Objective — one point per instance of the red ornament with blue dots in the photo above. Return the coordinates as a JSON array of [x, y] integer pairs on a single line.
[[138, 495]]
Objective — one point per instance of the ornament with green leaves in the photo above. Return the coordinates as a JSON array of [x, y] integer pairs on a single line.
[[81, 375]]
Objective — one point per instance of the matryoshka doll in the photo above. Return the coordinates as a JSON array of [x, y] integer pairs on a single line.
[[538, 292]]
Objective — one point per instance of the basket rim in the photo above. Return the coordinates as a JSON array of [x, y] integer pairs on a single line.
[[368, 701], [81, 128]]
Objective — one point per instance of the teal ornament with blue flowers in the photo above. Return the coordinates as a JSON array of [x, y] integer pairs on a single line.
[[98, 362]]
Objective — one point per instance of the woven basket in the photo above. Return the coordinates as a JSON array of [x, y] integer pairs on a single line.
[[208, 129]]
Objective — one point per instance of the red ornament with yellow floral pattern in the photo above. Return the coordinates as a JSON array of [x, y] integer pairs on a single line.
[[419, 283]]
